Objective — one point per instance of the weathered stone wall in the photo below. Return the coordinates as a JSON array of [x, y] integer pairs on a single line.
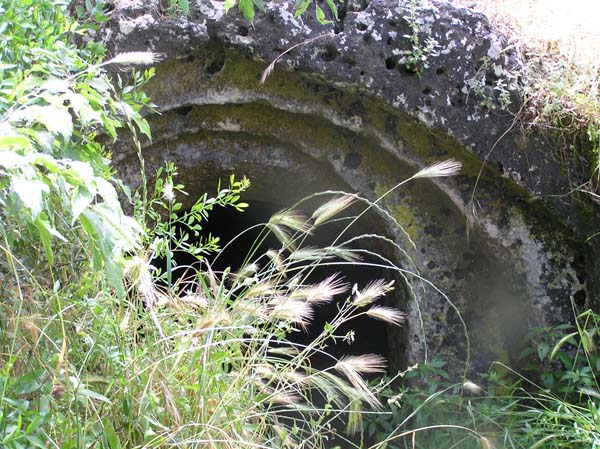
[[344, 112]]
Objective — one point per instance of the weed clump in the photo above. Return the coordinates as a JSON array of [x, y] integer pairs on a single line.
[[560, 82]]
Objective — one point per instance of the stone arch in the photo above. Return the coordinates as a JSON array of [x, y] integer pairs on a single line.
[[506, 267]]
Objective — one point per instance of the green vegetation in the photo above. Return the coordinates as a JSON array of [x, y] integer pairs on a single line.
[[101, 349], [555, 407], [416, 60], [248, 8], [559, 83]]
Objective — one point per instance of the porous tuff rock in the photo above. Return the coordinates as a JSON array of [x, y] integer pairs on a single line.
[[345, 107]]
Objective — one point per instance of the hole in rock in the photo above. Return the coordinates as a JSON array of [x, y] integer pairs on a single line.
[[362, 5], [580, 298], [390, 63], [215, 66], [183, 111], [329, 53], [364, 335], [361, 26], [500, 167]]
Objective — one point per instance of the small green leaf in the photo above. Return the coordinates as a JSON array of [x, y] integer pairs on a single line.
[[28, 382], [333, 8], [111, 436], [228, 5], [56, 120], [12, 159], [90, 394], [247, 9], [302, 7], [43, 226], [543, 349], [31, 193], [108, 193], [36, 442], [81, 106], [259, 4], [15, 141], [185, 9], [321, 16], [80, 199]]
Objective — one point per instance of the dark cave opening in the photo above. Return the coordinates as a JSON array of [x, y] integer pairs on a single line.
[[365, 334]]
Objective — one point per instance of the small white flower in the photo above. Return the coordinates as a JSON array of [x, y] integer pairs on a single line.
[[168, 193], [472, 387], [349, 337]]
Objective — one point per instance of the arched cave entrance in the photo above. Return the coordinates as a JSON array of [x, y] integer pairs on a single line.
[[490, 270], [365, 335]]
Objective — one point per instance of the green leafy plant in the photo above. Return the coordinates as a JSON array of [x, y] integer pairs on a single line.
[[428, 410], [248, 9], [100, 348], [416, 59], [53, 171], [182, 229], [555, 407], [64, 237], [175, 7]]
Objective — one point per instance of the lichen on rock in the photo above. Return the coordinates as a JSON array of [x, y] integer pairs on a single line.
[[344, 112]]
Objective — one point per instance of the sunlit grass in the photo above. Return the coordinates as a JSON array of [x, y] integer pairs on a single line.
[[559, 44], [568, 28]]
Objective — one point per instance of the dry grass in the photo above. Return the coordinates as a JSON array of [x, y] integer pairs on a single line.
[[560, 42], [567, 28]]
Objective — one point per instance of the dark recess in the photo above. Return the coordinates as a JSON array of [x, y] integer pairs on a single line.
[[226, 223]]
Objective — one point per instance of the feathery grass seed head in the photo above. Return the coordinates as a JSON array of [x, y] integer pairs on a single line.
[[365, 363], [322, 292], [449, 167], [387, 314], [282, 222], [472, 387], [135, 58], [331, 208], [293, 311], [353, 366], [371, 292]]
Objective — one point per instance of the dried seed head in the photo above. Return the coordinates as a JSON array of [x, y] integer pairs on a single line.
[[296, 378], [282, 222], [261, 289], [372, 292], [353, 366], [331, 208], [449, 167], [168, 192], [135, 58], [472, 387], [365, 363], [387, 314], [284, 398], [322, 292], [275, 257], [195, 300], [293, 311]]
